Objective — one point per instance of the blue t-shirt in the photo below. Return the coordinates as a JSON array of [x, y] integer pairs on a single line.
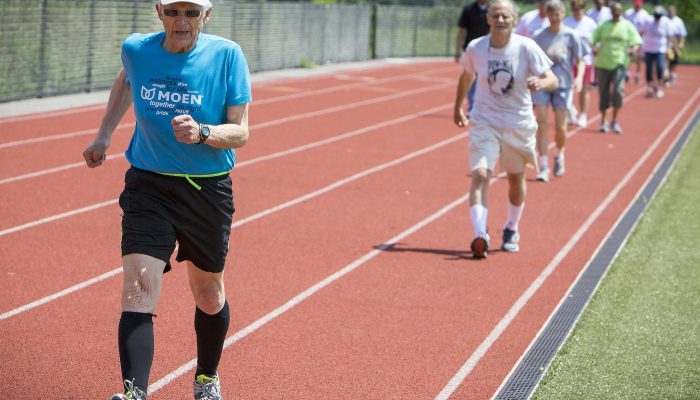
[[202, 82]]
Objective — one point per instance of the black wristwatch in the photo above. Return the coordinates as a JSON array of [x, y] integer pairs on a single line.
[[203, 133]]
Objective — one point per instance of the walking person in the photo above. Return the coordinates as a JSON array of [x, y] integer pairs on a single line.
[[507, 67], [638, 16], [584, 26], [656, 35], [613, 43], [533, 21], [599, 12], [190, 93], [472, 24], [563, 47], [678, 33]]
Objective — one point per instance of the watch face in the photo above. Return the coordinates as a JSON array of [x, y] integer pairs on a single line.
[[203, 133]]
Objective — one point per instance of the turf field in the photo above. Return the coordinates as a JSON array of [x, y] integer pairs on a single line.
[[639, 338]]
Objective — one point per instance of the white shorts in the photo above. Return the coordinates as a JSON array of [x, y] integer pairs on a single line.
[[515, 147]]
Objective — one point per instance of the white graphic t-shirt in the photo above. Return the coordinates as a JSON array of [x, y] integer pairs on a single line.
[[584, 28], [503, 99]]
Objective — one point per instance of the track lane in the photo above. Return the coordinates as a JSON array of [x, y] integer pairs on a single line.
[[258, 380]]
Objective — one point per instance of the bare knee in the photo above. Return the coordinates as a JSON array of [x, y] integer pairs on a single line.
[[142, 283], [209, 299]]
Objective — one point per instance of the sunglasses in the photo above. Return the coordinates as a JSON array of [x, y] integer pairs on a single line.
[[171, 12]]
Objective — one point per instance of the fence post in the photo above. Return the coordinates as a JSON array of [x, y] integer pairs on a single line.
[[415, 31], [233, 20], [134, 15], [42, 49], [91, 47], [449, 34], [373, 32]]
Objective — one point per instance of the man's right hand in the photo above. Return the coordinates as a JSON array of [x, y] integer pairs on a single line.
[[95, 154]]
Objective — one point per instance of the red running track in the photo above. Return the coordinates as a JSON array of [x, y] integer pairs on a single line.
[[348, 276]]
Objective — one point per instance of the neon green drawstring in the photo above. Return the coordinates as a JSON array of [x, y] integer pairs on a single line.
[[189, 177]]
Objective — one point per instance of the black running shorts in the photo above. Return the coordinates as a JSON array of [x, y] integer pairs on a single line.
[[160, 210]]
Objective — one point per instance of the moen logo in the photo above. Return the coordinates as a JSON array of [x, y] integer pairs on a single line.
[[173, 97], [147, 94]]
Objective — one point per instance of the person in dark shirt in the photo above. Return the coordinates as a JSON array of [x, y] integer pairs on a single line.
[[472, 24]]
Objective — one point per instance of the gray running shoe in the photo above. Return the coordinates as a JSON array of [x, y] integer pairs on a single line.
[[543, 175], [510, 241], [480, 247], [604, 127], [559, 167], [207, 388], [616, 127], [132, 392]]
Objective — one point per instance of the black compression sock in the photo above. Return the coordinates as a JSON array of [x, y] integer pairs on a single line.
[[211, 333], [136, 347]]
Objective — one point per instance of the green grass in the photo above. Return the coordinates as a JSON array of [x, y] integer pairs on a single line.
[[691, 53], [639, 338]]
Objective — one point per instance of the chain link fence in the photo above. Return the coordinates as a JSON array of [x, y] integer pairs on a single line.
[[52, 47]]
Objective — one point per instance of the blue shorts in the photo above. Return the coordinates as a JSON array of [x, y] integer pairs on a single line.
[[160, 210], [557, 98]]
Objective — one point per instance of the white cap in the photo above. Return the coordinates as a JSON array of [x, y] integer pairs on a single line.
[[203, 3]]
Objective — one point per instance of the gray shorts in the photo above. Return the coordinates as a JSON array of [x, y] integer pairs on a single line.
[[556, 98]]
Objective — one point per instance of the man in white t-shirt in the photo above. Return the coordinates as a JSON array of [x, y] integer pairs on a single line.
[[584, 27], [678, 33], [533, 21], [507, 67], [600, 13], [638, 16], [656, 35]]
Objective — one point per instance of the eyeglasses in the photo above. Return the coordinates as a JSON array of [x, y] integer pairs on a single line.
[[171, 12]]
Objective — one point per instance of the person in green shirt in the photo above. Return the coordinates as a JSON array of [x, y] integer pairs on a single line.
[[613, 43]]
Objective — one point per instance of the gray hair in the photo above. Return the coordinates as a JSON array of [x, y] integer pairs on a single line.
[[554, 5], [511, 3]]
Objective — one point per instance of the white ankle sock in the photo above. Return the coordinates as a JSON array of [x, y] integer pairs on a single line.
[[514, 214], [479, 215]]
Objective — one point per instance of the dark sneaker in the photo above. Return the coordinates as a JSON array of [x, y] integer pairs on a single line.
[[132, 393], [207, 388], [480, 247], [559, 167], [510, 241]]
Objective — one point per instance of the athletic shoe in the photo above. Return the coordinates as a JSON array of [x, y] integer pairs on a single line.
[[207, 388], [636, 79], [572, 116], [543, 175], [604, 127], [480, 246], [616, 127], [650, 93], [132, 393], [559, 167], [510, 241], [659, 93], [582, 120]]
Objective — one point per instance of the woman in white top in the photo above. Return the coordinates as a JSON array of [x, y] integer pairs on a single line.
[[655, 38], [584, 27], [638, 16]]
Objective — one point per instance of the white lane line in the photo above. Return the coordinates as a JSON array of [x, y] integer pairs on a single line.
[[74, 110], [520, 303], [605, 239], [309, 292], [265, 213], [57, 217], [60, 294], [60, 136], [254, 160], [265, 101], [279, 154]]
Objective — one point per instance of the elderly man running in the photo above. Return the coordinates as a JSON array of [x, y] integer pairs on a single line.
[[507, 67]]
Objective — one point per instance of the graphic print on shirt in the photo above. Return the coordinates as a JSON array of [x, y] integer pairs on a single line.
[[558, 50], [500, 77], [170, 96]]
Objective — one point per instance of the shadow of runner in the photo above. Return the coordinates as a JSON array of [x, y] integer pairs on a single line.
[[452, 254]]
